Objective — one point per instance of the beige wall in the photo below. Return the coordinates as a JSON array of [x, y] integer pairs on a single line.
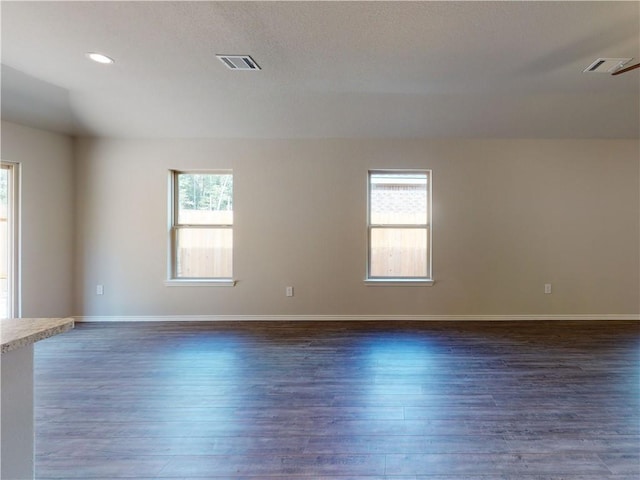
[[47, 217], [508, 217]]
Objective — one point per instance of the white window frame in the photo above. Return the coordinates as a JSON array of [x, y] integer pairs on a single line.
[[396, 281], [174, 226], [14, 306]]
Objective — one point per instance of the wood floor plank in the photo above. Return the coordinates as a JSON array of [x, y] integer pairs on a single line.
[[516, 465], [389, 400]]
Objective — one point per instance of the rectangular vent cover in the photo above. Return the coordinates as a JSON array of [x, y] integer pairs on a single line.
[[607, 65], [239, 62]]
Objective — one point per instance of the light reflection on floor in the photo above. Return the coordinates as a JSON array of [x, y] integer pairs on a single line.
[[402, 368]]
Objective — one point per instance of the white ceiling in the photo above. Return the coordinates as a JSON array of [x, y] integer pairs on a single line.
[[329, 69]]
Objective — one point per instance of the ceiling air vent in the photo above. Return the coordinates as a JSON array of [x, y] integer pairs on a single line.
[[239, 62], [606, 65]]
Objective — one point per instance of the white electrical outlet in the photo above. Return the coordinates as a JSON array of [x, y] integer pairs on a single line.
[[547, 288], [289, 292], [99, 289]]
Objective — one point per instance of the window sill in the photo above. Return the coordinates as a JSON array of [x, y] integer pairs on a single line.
[[190, 282], [401, 282]]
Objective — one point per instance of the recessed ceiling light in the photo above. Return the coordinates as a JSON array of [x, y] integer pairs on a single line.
[[100, 58]]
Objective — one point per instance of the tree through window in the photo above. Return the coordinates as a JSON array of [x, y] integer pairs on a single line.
[[202, 225]]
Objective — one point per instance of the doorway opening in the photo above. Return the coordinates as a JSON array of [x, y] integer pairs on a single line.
[[9, 286]]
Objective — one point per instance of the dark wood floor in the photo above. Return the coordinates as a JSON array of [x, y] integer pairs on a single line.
[[396, 400]]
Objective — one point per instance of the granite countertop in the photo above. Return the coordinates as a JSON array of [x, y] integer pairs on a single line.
[[20, 332]]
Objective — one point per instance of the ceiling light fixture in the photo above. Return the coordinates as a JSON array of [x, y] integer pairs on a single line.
[[100, 58]]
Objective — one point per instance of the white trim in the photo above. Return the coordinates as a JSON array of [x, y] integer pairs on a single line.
[[400, 282], [349, 318], [174, 226], [199, 283], [428, 175], [14, 230]]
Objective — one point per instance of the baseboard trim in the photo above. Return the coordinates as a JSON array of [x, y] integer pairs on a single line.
[[352, 318]]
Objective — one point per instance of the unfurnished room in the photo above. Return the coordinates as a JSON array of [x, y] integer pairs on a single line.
[[320, 240]]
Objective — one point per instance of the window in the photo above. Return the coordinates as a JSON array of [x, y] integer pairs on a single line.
[[399, 226], [202, 227], [9, 299]]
